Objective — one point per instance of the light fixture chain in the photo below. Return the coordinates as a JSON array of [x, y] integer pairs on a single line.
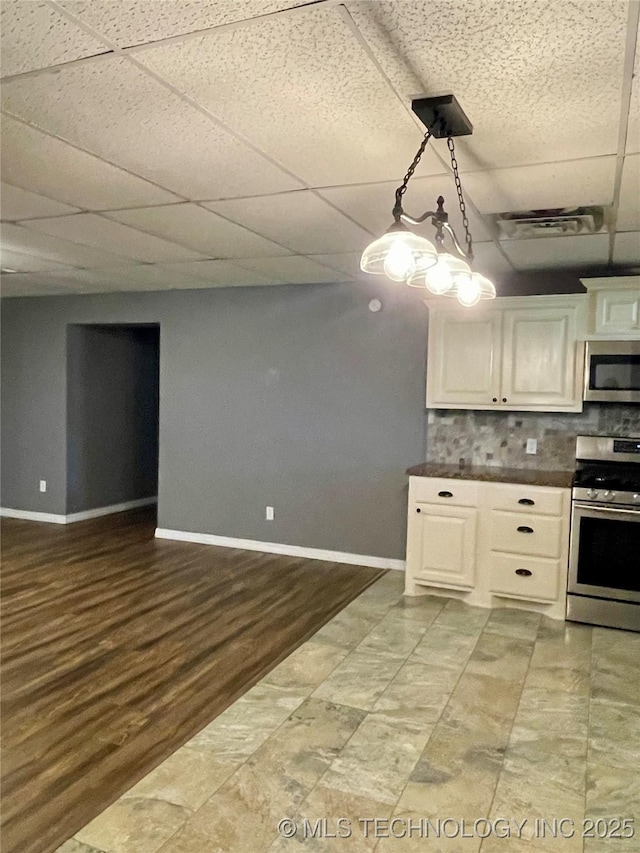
[[463, 207], [397, 210]]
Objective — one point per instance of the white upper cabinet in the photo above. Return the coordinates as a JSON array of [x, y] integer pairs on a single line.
[[614, 308], [464, 359], [541, 361], [523, 353]]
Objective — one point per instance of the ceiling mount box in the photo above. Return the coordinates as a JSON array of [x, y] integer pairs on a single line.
[[442, 116]]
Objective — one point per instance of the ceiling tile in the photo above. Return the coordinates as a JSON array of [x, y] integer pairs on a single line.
[[557, 252], [35, 284], [89, 229], [633, 125], [489, 260], [148, 20], [124, 115], [201, 230], [17, 203], [539, 81], [139, 277], [42, 164], [346, 263], [371, 204], [299, 220], [629, 206], [28, 263], [221, 273], [301, 88], [569, 183], [626, 249], [292, 269], [33, 35], [19, 239]]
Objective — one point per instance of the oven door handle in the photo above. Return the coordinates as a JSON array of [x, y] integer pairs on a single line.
[[607, 509]]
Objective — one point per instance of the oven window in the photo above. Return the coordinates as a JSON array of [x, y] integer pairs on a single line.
[[614, 373], [609, 553]]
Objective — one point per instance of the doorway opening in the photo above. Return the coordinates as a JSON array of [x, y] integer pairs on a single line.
[[113, 393]]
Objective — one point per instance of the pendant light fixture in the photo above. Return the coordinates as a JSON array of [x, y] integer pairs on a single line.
[[402, 255]]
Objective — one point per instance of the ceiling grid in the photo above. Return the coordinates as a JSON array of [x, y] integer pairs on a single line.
[[224, 144]]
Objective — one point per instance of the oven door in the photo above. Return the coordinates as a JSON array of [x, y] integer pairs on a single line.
[[604, 559]]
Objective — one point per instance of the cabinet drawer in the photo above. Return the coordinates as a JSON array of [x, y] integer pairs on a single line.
[[537, 500], [525, 577], [530, 535], [438, 490]]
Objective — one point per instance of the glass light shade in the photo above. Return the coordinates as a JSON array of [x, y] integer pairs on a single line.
[[468, 291], [397, 254], [487, 287], [440, 278]]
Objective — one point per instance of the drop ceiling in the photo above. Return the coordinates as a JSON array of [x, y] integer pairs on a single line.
[[167, 144]]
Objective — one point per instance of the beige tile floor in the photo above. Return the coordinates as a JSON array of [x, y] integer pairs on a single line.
[[409, 725]]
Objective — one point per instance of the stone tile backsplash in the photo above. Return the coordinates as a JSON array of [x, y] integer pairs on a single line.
[[499, 438]]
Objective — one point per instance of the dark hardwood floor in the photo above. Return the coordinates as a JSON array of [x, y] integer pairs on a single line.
[[117, 648]]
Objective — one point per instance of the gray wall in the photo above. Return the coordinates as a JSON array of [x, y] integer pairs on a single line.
[[293, 396], [112, 415]]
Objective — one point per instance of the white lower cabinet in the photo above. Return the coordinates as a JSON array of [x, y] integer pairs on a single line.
[[492, 544], [442, 540], [447, 544]]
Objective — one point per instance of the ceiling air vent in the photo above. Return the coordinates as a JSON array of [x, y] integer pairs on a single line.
[[557, 222]]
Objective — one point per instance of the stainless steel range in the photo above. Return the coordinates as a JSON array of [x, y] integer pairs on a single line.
[[604, 558]]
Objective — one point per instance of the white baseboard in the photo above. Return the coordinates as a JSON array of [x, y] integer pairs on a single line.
[[51, 518], [110, 510], [278, 548], [27, 515]]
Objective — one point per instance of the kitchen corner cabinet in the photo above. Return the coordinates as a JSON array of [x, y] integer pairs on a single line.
[[520, 353], [490, 544]]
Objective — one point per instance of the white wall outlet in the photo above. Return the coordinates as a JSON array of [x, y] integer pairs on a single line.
[[43, 485], [269, 513], [532, 445]]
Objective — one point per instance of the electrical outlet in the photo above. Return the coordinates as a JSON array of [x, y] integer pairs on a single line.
[[43, 485], [532, 445], [269, 513]]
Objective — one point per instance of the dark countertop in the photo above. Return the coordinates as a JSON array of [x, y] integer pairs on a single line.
[[524, 476]]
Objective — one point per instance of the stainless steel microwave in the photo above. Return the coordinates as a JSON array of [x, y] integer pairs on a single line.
[[612, 371]]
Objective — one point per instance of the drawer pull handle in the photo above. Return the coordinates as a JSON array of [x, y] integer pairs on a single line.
[[524, 529], [526, 502], [445, 494], [524, 573]]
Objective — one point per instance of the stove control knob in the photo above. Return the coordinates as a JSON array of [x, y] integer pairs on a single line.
[[608, 495], [592, 494]]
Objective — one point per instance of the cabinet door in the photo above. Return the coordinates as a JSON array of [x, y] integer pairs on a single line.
[[541, 364], [618, 313], [463, 367], [442, 545]]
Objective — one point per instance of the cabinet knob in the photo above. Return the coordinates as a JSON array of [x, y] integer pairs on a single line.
[[495, 399], [504, 399], [524, 529], [526, 502], [418, 510], [445, 494], [524, 573]]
